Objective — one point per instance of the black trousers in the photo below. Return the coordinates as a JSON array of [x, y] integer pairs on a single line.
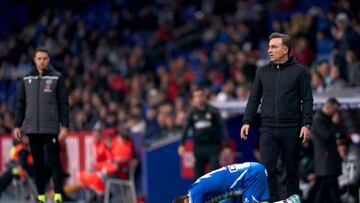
[[285, 141], [204, 155], [326, 189], [5, 180], [46, 154]]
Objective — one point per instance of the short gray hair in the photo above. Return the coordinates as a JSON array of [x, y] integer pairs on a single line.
[[286, 40]]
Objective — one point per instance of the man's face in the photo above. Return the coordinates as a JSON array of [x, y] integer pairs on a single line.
[[41, 60], [333, 109], [343, 151], [199, 98], [277, 51], [324, 69], [108, 141]]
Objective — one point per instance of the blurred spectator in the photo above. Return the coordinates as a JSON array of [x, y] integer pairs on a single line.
[[317, 82], [136, 125], [353, 68], [323, 67], [122, 115], [226, 94], [240, 77], [349, 180], [103, 113], [180, 118], [80, 121], [344, 34], [327, 160], [302, 52], [306, 169], [345, 38], [242, 92], [111, 120], [113, 153], [170, 128], [135, 122], [336, 83], [152, 126], [227, 91], [324, 45]]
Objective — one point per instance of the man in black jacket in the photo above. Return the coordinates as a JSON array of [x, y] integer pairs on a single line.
[[208, 130], [283, 89], [42, 106], [327, 158]]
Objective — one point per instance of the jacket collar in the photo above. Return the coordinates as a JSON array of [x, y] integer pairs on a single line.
[[325, 115], [289, 62], [49, 69], [206, 107]]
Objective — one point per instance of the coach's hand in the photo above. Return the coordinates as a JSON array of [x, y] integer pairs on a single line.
[[63, 133], [304, 133], [181, 150], [17, 133], [244, 131]]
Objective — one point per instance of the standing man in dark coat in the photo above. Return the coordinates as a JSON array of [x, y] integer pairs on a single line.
[[284, 91], [43, 111], [327, 158], [208, 131]]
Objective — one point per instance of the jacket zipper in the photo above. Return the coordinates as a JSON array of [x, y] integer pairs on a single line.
[[38, 105], [276, 94]]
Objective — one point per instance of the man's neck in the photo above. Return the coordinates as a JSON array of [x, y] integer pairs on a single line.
[[201, 107], [282, 61], [325, 112], [40, 71]]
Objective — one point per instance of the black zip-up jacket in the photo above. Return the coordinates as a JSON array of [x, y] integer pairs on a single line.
[[42, 102], [284, 91], [207, 126]]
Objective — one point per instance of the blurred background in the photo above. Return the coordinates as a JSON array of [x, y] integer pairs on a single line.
[[130, 66]]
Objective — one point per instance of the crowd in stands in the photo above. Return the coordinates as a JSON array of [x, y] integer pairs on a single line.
[[133, 65]]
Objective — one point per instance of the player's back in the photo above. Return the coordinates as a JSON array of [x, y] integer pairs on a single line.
[[228, 180]]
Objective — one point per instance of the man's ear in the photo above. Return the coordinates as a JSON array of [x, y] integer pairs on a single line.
[[286, 50]]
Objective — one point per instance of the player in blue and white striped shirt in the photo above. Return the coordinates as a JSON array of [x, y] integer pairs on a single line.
[[246, 182]]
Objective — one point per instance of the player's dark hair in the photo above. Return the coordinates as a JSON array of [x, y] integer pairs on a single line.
[[41, 49], [180, 199], [199, 88]]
